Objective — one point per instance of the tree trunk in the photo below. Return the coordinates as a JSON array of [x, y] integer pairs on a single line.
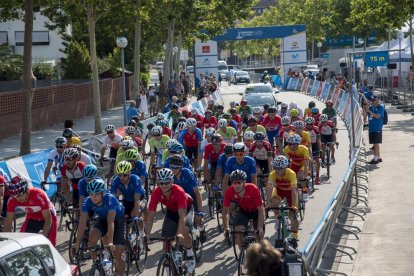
[[94, 67], [27, 80], [137, 51], [167, 64], [411, 36], [177, 55]]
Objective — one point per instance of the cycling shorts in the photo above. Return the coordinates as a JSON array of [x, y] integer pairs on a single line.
[[191, 153], [243, 217], [170, 225], [315, 150], [263, 165], [113, 152], [281, 194], [297, 168], [326, 138], [119, 229], [35, 226]]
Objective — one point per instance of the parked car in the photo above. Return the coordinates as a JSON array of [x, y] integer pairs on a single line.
[[159, 65], [241, 77], [31, 254], [260, 99], [259, 88]]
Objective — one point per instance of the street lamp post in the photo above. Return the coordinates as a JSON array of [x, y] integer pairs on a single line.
[[319, 45], [400, 36], [235, 57], [174, 50], [122, 42]]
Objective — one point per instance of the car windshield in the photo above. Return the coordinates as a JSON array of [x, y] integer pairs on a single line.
[[242, 73], [259, 100], [259, 89]]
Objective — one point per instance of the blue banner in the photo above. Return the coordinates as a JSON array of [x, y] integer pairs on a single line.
[[265, 32], [376, 58], [346, 40]]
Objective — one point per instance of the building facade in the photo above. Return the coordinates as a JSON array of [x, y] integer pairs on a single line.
[[260, 7]]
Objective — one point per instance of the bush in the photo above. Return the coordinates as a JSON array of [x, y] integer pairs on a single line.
[[11, 65], [145, 79], [77, 64], [43, 70]]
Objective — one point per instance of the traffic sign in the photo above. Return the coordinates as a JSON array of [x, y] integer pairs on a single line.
[[325, 55], [376, 58]]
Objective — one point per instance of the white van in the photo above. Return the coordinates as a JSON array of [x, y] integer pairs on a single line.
[[222, 65], [159, 65]]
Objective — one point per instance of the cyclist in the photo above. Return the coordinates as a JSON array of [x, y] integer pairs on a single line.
[[221, 162], [112, 139], [191, 139], [283, 110], [41, 214], [294, 105], [179, 215], [255, 126], [82, 156], [90, 172], [315, 115], [174, 114], [298, 128], [308, 110], [284, 133], [157, 145], [71, 139], [283, 181], [228, 133], [179, 129], [232, 105], [177, 148], [257, 113], [125, 144], [111, 222], [295, 115], [4, 197], [160, 117], [211, 155], [165, 129], [272, 122], [245, 112], [248, 138], [56, 159], [138, 166], [245, 201], [230, 122], [316, 144], [148, 136], [196, 115], [330, 111], [209, 120], [240, 162], [299, 159], [219, 110], [71, 171], [261, 151], [327, 131], [135, 134], [209, 133]]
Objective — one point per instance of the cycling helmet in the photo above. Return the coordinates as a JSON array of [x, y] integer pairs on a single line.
[[220, 107], [222, 123], [285, 121], [123, 167], [176, 160], [109, 128], [17, 186], [253, 121], [248, 135], [233, 111], [284, 105], [243, 102], [176, 148], [329, 102], [266, 106], [162, 123], [97, 185], [216, 139], [125, 138], [67, 133], [210, 102], [271, 110], [191, 122], [228, 149], [280, 162], [294, 139], [309, 120], [170, 142], [210, 131], [315, 110], [135, 118], [323, 118], [132, 123], [238, 175], [194, 111], [294, 112], [232, 103], [160, 116], [157, 130], [165, 175], [131, 155], [138, 131], [130, 130], [60, 140], [293, 105], [311, 104], [259, 136], [257, 110], [182, 119], [150, 126], [298, 124], [226, 116], [71, 153], [78, 148], [181, 126], [208, 112], [127, 143], [90, 171], [239, 147]]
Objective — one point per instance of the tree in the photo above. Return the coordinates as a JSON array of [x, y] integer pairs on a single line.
[[77, 64], [10, 64]]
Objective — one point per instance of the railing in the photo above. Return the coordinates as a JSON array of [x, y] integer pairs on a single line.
[[350, 112]]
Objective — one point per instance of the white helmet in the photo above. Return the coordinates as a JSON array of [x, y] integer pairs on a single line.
[[160, 116], [181, 126], [232, 103], [210, 131], [170, 142], [257, 110], [323, 118], [191, 122], [298, 124], [110, 128], [293, 105], [222, 123], [248, 135], [194, 111], [285, 120], [157, 130]]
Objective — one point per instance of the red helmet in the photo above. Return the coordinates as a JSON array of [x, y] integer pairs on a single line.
[[17, 186], [243, 102]]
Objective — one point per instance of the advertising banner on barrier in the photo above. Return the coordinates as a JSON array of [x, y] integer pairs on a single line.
[[325, 91], [319, 91], [342, 102], [338, 101], [305, 84], [315, 87], [335, 95], [293, 83]]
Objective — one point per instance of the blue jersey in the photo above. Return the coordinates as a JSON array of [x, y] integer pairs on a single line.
[[187, 164], [248, 166], [109, 203], [221, 161], [375, 125], [82, 187], [233, 124], [187, 181], [134, 187], [140, 169]]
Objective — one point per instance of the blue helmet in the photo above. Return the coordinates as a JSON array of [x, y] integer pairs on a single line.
[[90, 171], [176, 148], [96, 186]]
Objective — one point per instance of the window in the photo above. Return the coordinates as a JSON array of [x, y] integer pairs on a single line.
[[39, 38], [3, 38], [25, 263], [43, 251]]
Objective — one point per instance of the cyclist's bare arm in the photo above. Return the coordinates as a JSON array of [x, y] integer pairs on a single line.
[[1, 198], [48, 222], [111, 226], [8, 222], [47, 170], [149, 222], [65, 187]]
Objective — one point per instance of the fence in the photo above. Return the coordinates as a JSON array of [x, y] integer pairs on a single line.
[[350, 111], [56, 103]]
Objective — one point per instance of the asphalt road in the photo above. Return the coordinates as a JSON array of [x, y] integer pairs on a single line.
[[218, 258]]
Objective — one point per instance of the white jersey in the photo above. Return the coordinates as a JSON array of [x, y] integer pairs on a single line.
[[86, 158], [107, 141]]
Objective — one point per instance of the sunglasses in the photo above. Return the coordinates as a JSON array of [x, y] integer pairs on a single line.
[[174, 168], [69, 159], [237, 183], [163, 183], [59, 147], [156, 135], [125, 175], [238, 153], [109, 132]]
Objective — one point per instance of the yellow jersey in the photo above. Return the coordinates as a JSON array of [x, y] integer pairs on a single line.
[[299, 156]]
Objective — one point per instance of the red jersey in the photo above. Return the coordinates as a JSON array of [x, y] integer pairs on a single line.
[[199, 118], [209, 123], [261, 153], [4, 184], [37, 202], [326, 128], [316, 117], [76, 175], [237, 118], [178, 199], [313, 132], [272, 125], [167, 131], [211, 155], [191, 140], [294, 119], [138, 142], [284, 133], [250, 201]]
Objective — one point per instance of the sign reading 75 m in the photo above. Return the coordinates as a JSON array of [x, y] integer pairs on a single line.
[[378, 58]]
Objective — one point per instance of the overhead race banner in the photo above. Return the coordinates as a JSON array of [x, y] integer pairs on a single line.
[[263, 32]]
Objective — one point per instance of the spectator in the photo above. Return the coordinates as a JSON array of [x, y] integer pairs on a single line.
[[143, 104], [152, 101], [132, 111], [263, 259], [376, 120]]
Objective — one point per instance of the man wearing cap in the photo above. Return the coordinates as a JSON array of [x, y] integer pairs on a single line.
[[132, 111], [375, 124]]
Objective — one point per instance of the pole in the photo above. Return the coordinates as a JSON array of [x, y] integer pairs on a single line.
[[350, 61], [123, 86], [389, 85], [399, 69], [352, 101]]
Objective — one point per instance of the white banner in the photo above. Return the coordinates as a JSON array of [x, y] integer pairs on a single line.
[[208, 48], [296, 42], [294, 58]]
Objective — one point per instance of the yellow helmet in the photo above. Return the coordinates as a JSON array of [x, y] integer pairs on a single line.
[[294, 112], [123, 167]]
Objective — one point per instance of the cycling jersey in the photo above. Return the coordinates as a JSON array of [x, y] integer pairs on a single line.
[[109, 203], [133, 187], [138, 142], [3, 183], [160, 145], [111, 142], [190, 140], [177, 199], [298, 156], [249, 202], [221, 162], [229, 135], [82, 186], [248, 166], [237, 118], [316, 117], [211, 155], [286, 182], [199, 118], [166, 154], [120, 154], [232, 123], [245, 111], [59, 158], [331, 112], [272, 125], [140, 169], [186, 162], [261, 153], [307, 112], [326, 128], [187, 181], [314, 132], [259, 128], [74, 175], [73, 141], [167, 131], [294, 119], [305, 138], [285, 132], [212, 122]]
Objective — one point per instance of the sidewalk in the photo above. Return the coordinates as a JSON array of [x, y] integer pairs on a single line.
[[387, 242]]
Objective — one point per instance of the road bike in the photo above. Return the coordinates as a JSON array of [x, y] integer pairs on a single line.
[[136, 249], [262, 185], [283, 225], [250, 236], [215, 204], [301, 200]]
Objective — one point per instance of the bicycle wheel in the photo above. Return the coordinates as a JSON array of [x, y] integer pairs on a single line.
[[241, 269], [139, 254], [217, 201], [72, 240], [210, 201], [197, 248], [328, 160], [301, 203], [165, 268], [236, 249]]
